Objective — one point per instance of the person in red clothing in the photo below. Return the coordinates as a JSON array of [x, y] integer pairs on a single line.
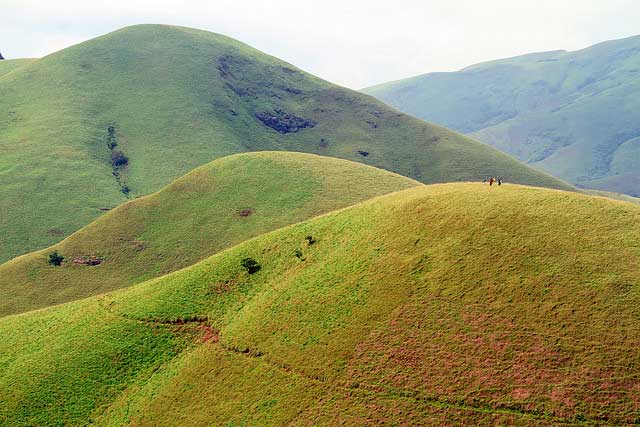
[[491, 181]]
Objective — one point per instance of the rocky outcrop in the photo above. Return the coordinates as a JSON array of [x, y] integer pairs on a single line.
[[283, 121]]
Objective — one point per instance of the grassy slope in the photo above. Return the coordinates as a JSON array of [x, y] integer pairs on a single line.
[[461, 304], [191, 219], [8, 65], [178, 98], [573, 114]]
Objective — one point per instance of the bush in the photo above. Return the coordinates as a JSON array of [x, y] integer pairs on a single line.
[[310, 240], [55, 258], [118, 159], [251, 265]]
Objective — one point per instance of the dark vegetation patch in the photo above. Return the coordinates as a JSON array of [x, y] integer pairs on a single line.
[[250, 265], [373, 124], [245, 212], [323, 143], [105, 209], [55, 232], [1, 57], [119, 160], [111, 138], [226, 65], [283, 121], [310, 240], [363, 153], [55, 259]]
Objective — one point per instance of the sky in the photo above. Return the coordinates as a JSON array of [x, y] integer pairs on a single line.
[[354, 43]]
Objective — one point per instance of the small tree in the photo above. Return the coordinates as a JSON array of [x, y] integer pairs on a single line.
[[251, 265], [118, 159], [55, 258]]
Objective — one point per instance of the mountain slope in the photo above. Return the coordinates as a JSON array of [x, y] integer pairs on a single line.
[[210, 209], [8, 65], [572, 114], [129, 112], [460, 304]]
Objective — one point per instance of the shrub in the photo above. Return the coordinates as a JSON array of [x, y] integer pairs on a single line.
[[118, 159], [251, 265], [298, 253], [310, 240], [55, 258]]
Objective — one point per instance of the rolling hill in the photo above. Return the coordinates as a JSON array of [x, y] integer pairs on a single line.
[[575, 115], [89, 127], [461, 304], [8, 65], [214, 207]]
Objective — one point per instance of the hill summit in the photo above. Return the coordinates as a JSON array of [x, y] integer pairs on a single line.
[[122, 115]]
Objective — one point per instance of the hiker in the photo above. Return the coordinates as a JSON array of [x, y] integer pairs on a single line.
[[499, 181], [491, 181]]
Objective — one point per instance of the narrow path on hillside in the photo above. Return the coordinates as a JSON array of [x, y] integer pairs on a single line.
[[200, 327]]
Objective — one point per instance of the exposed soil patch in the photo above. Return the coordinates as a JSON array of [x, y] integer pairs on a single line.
[[88, 260], [209, 334], [245, 212], [222, 287], [283, 121]]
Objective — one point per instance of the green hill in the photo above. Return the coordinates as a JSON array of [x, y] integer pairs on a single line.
[[124, 114], [8, 65], [460, 304], [575, 115], [210, 209]]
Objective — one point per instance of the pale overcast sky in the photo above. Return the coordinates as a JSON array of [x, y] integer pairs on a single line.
[[354, 43]]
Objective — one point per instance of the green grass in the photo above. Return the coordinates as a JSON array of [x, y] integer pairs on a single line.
[[461, 304], [178, 98], [9, 65], [572, 114], [191, 219]]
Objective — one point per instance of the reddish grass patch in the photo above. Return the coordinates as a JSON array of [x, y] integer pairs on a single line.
[[245, 212]]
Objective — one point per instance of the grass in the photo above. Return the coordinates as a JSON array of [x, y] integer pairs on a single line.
[[8, 65], [210, 209], [176, 98], [571, 114], [461, 304]]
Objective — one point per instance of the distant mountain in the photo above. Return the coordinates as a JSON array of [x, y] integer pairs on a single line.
[[575, 115], [87, 128]]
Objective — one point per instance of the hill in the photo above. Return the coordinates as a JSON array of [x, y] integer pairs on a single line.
[[210, 209], [124, 114], [8, 65], [461, 304], [575, 115]]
